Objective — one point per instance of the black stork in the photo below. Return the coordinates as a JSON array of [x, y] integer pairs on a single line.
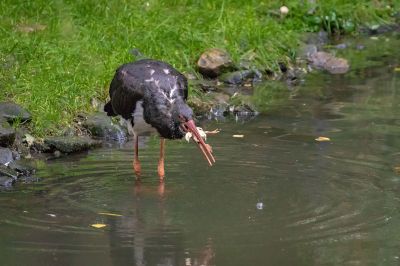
[[151, 96]]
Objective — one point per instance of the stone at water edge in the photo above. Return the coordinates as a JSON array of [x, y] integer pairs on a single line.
[[239, 77], [71, 144], [7, 176], [21, 168], [100, 125], [6, 156], [213, 62], [6, 181], [13, 112]]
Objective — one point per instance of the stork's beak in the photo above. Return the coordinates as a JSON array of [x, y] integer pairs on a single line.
[[205, 148]]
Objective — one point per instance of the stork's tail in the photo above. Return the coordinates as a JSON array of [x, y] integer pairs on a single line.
[[109, 110]]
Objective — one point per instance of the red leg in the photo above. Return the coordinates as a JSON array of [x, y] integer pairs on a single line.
[[161, 172], [136, 163]]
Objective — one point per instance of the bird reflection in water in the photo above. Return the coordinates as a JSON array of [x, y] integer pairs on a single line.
[[146, 233]]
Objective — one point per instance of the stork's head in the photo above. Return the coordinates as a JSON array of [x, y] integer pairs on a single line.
[[184, 116]]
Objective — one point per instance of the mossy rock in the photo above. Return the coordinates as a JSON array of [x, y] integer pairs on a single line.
[[213, 62], [71, 144], [101, 126], [14, 113]]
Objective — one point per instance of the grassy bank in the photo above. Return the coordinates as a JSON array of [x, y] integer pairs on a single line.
[[57, 55]]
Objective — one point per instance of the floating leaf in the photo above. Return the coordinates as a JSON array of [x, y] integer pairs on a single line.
[[322, 139], [238, 136], [110, 214], [397, 169], [98, 225]]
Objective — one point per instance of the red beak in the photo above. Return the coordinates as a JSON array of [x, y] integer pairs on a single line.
[[205, 148]]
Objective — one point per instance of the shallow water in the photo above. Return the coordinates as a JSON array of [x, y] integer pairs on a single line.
[[275, 196]]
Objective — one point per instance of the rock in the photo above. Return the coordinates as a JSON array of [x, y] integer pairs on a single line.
[[21, 169], [199, 106], [7, 135], [328, 62], [214, 62], [13, 112], [6, 181], [39, 146], [220, 106], [6, 156], [13, 171], [100, 125], [239, 77], [294, 76], [5, 171], [243, 110], [71, 144]]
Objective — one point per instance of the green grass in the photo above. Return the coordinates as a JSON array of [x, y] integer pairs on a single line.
[[56, 71]]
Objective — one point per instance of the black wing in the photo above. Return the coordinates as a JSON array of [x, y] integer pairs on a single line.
[[132, 81]]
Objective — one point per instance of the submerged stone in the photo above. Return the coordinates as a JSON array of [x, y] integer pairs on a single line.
[[100, 125], [328, 62], [71, 144], [14, 112], [213, 62]]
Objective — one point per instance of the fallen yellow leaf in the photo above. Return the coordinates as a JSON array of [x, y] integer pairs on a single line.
[[238, 136], [98, 225], [397, 69], [322, 139], [110, 214], [397, 169]]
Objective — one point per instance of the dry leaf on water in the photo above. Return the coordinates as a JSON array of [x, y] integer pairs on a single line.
[[110, 214], [98, 225], [322, 139], [238, 136]]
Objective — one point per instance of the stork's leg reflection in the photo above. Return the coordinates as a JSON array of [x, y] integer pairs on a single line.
[[161, 172]]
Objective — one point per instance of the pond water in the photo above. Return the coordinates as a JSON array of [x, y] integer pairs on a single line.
[[275, 197]]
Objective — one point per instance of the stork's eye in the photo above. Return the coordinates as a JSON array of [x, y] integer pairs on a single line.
[[182, 119]]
